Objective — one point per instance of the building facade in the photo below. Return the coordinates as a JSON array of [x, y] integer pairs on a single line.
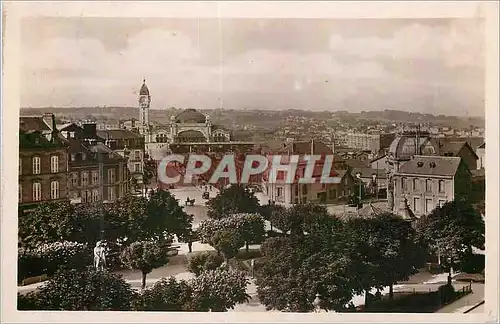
[[43, 164], [481, 153], [96, 172], [371, 142], [129, 145], [427, 182]]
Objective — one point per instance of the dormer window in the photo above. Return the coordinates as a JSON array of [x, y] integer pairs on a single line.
[[420, 164]]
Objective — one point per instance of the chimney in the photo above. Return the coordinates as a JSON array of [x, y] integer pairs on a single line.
[[90, 129], [50, 120]]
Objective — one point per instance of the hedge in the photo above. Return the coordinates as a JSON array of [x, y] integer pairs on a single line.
[[48, 258]]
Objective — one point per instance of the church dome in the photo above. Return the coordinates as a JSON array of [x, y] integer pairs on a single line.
[[403, 147], [144, 89], [190, 116]]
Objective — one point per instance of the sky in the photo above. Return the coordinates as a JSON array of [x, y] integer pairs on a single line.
[[421, 65]]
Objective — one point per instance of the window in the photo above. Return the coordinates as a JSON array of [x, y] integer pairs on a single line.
[[441, 185], [111, 176], [95, 177], [85, 179], [73, 156], [279, 191], [95, 195], [36, 165], [54, 164], [54, 190], [84, 156], [37, 191], [304, 189], [137, 167], [20, 166], [111, 193], [428, 205], [428, 185], [74, 179], [86, 196], [20, 193], [416, 184], [137, 155], [416, 205], [333, 193]]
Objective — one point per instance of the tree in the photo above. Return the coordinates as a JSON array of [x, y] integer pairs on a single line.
[[49, 222], [218, 290], [298, 219], [215, 290], [235, 199], [167, 295], [296, 268], [78, 290], [165, 215], [452, 231], [146, 256], [244, 229], [395, 251], [205, 261], [141, 219], [227, 242]]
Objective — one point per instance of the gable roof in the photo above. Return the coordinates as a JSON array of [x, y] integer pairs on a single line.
[[431, 165], [454, 148], [33, 124]]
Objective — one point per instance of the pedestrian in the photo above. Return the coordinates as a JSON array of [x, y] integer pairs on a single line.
[[190, 246]]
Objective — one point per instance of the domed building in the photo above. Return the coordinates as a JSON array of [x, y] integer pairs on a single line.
[[402, 149], [409, 144], [191, 131]]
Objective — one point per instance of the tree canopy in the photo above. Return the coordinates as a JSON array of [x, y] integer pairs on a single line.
[[234, 199], [452, 230], [77, 290]]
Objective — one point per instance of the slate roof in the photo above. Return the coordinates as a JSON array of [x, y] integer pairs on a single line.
[[474, 142], [454, 148], [33, 124], [117, 134], [378, 158], [431, 165]]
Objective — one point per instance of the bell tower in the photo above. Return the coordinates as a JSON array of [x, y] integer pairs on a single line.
[[144, 104]]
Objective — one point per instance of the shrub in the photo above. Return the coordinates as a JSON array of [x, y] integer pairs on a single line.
[[206, 261], [48, 258], [446, 294], [81, 290], [166, 295]]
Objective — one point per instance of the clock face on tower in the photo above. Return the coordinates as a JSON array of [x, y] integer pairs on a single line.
[[143, 100]]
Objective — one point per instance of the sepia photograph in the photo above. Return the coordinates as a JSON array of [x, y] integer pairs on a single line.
[[249, 163]]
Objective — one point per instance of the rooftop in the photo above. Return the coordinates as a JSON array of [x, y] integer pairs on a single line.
[[431, 165], [117, 134]]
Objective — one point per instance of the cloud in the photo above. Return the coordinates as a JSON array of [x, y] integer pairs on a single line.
[[365, 72], [458, 44]]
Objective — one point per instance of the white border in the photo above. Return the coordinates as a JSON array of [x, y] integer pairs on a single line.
[[366, 9]]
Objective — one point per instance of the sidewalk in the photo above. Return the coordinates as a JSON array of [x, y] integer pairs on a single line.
[[466, 302]]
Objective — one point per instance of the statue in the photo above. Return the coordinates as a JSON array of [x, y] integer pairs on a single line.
[[100, 255]]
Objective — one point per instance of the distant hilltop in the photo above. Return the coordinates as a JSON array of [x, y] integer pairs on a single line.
[[163, 115]]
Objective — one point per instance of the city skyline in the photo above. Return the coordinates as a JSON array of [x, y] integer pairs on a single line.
[[347, 64]]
